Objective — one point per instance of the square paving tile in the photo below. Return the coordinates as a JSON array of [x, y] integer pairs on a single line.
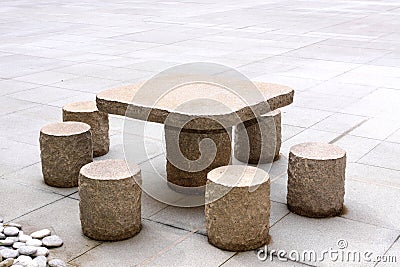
[[44, 94], [302, 117], [392, 256], [378, 210], [308, 135], [9, 105], [32, 176], [322, 101], [395, 137], [46, 77], [88, 84], [373, 174], [372, 104], [250, 259], [15, 155], [301, 234], [190, 219], [384, 155], [20, 199], [10, 86], [153, 240], [133, 148], [377, 128], [193, 251], [339, 123], [24, 126], [356, 147], [335, 88], [337, 53], [289, 131], [62, 218]]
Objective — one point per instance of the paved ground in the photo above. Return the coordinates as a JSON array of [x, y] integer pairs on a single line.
[[342, 57]]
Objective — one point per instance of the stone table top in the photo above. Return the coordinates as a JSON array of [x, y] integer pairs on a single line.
[[198, 106]]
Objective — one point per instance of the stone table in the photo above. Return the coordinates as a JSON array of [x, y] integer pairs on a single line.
[[198, 119]]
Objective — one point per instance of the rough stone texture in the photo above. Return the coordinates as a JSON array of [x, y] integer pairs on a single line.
[[110, 200], [183, 170], [87, 112], [259, 140], [65, 147], [316, 175], [237, 207], [147, 105]]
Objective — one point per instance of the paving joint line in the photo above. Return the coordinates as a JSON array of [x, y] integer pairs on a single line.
[[348, 131]]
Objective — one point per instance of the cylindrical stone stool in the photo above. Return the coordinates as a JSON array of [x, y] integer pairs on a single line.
[[316, 175], [64, 148], [87, 112], [110, 200], [237, 207], [259, 140], [190, 161]]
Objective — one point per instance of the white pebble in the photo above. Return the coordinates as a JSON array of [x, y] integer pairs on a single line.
[[7, 242], [9, 253], [17, 245], [41, 251], [23, 260], [11, 231], [34, 243], [23, 238], [57, 263], [52, 241], [41, 261], [41, 234], [27, 250]]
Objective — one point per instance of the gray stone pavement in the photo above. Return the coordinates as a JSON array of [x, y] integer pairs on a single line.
[[342, 58]]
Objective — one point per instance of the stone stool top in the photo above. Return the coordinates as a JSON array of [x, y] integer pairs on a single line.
[[238, 176], [110, 169], [83, 106], [202, 105], [65, 128], [317, 151]]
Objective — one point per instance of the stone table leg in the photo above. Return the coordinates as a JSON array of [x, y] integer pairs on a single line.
[[259, 140], [191, 154]]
